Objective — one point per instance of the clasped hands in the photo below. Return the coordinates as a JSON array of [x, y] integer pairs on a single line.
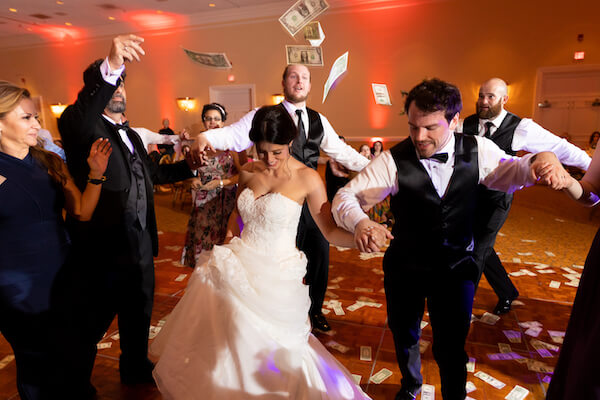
[[547, 170], [370, 236]]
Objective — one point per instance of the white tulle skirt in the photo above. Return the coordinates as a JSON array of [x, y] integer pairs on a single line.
[[241, 331]]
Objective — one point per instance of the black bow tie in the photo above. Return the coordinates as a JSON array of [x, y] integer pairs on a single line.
[[441, 157], [124, 125]]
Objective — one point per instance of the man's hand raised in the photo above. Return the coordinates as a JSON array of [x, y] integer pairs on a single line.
[[125, 48]]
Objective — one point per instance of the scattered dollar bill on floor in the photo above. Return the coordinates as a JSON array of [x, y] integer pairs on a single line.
[[512, 336], [115, 337], [6, 360], [313, 32], [424, 324], [516, 260], [490, 380], [504, 348], [173, 248], [550, 254], [505, 356], [554, 284], [356, 378], [471, 364], [517, 393], [180, 277], [355, 306], [331, 295], [556, 336], [362, 289], [537, 344], [336, 346], [339, 67], [377, 271], [546, 271], [528, 240], [301, 13], [368, 256], [337, 280], [534, 331], [365, 353], [304, 55], [573, 283], [105, 345], [518, 303], [154, 330], [162, 260], [525, 253], [382, 96], [211, 60], [545, 353], [489, 318], [470, 386], [577, 266], [427, 392], [381, 376], [325, 311], [538, 366], [336, 286]]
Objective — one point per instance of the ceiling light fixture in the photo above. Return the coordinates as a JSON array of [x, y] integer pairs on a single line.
[[111, 18], [12, 9], [212, 5], [57, 109], [68, 24], [60, 3], [186, 103]]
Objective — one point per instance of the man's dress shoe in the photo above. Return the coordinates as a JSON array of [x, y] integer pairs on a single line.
[[319, 322], [407, 394], [503, 306]]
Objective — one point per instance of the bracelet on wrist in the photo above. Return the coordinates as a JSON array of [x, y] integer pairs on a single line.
[[99, 181]]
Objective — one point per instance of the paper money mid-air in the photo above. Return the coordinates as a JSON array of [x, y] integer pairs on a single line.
[[339, 67], [381, 94], [211, 60], [305, 55], [313, 32], [301, 13]]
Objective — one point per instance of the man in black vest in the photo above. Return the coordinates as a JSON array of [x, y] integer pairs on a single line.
[[114, 269], [511, 134], [432, 178], [315, 133]]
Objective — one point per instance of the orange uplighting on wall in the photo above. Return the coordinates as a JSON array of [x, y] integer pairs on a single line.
[[155, 19], [58, 32]]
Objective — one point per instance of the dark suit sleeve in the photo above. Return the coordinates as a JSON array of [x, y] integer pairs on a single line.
[[169, 173], [76, 124]]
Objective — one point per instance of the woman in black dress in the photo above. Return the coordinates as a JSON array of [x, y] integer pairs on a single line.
[[35, 186]]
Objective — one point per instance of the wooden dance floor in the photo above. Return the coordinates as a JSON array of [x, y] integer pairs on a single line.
[[545, 231]]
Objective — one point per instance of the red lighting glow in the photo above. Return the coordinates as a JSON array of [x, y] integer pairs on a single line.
[[231, 78], [579, 55], [376, 139], [58, 32], [148, 19]]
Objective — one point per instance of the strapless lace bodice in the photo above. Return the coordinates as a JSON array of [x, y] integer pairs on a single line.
[[270, 221]]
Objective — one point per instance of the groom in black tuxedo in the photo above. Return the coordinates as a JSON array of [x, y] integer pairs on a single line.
[[114, 272]]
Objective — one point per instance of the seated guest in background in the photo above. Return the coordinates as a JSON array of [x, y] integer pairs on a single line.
[[35, 186], [592, 143], [430, 257], [365, 151], [213, 197], [336, 176], [48, 143], [118, 244], [166, 130], [376, 148]]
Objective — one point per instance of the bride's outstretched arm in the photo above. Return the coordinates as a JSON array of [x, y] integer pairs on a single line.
[[320, 209]]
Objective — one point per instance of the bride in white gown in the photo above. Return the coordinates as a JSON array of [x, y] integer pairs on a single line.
[[241, 330]]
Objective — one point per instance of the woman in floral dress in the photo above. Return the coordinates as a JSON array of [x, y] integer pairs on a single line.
[[213, 194]]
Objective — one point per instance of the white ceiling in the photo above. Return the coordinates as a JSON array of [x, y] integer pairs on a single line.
[[38, 22]]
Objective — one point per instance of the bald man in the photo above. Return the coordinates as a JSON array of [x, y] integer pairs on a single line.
[[511, 134]]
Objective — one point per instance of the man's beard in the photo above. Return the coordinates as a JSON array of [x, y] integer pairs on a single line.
[[293, 99], [491, 112], [116, 106]]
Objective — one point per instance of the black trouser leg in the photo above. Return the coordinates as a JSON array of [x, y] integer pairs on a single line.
[[316, 248], [498, 278]]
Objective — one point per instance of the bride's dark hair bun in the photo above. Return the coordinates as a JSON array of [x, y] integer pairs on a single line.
[[273, 124]]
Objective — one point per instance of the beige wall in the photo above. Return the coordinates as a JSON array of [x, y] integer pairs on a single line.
[[462, 41]]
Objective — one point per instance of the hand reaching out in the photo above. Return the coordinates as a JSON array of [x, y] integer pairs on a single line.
[[370, 236], [125, 48], [98, 159], [547, 170]]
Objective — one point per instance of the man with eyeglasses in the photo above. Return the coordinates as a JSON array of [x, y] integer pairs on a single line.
[[315, 133]]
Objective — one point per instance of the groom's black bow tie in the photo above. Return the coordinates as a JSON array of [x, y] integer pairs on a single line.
[[124, 125], [441, 157]]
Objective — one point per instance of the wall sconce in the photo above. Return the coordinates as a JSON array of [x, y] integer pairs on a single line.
[[186, 103], [544, 104], [57, 109], [277, 98]]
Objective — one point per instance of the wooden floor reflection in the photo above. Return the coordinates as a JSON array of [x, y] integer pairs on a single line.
[[543, 228]]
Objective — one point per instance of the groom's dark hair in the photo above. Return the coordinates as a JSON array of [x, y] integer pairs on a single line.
[[273, 124]]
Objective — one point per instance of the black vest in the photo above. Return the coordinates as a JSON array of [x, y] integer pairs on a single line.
[[136, 209], [312, 147], [429, 231], [503, 136]]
